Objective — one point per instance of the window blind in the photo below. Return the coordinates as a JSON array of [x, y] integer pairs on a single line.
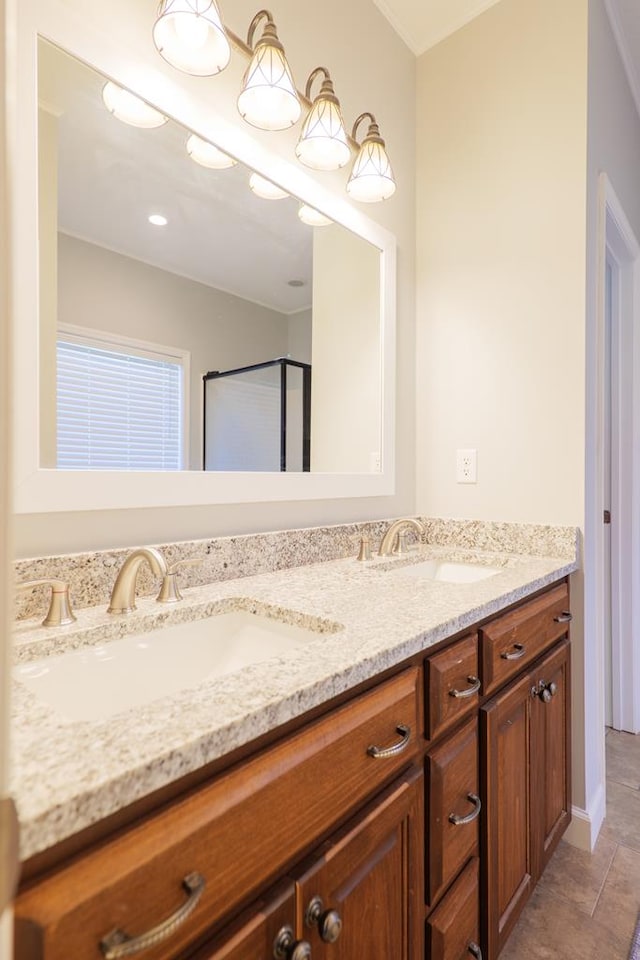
[[117, 410]]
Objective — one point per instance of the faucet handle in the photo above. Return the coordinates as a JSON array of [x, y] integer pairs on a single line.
[[60, 612], [169, 592]]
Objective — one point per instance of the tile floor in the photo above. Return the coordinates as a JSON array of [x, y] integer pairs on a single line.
[[586, 905]]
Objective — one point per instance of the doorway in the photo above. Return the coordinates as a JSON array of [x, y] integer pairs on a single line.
[[619, 506]]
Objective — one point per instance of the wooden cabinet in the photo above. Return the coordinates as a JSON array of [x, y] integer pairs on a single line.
[[380, 830], [204, 857], [525, 738], [359, 896]]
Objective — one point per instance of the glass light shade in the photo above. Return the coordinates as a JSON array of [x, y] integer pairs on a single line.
[[268, 99], [312, 217], [323, 141], [371, 179], [207, 155], [190, 36], [265, 188], [130, 109]]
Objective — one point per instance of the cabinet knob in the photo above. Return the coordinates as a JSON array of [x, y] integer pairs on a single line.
[[286, 947], [475, 950], [329, 922]]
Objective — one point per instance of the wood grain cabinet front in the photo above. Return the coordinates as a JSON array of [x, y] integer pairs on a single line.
[[510, 643], [452, 685], [525, 739], [182, 871], [453, 808], [453, 929]]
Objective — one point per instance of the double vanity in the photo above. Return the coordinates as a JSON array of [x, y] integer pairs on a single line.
[[347, 758]]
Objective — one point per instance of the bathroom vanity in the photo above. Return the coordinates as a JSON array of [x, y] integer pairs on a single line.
[[401, 799]]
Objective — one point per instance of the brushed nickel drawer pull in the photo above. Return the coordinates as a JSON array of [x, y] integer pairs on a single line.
[[475, 950], [475, 813], [462, 694], [381, 753], [119, 944], [520, 651], [286, 947], [329, 922], [564, 617]]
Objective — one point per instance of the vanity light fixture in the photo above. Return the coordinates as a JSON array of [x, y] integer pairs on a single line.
[[312, 217], [158, 220], [190, 36], [129, 108], [265, 188], [268, 98], [371, 177], [207, 155], [323, 141]]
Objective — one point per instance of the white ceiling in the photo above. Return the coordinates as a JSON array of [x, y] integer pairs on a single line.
[[111, 176], [423, 23]]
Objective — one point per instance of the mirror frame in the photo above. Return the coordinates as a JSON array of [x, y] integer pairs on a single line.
[[41, 490]]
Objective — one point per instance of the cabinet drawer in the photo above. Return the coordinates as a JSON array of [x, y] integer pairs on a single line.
[[453, 929], [452, 685], [238, 833], [453, 808], [510, 642]]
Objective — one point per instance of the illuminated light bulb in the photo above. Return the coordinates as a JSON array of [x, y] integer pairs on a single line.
[[158, 220], [268, 98], [265, 188], [190, 36], [207, 155], [323, 141], [371, 178], [312, 217], [129, 108]]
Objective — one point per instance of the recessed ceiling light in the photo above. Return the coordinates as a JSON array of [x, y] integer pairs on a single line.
[[265, 188], [158, 220], [296, 283], [130, 109]]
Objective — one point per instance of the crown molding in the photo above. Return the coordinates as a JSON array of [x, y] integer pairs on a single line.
[[421, 41]]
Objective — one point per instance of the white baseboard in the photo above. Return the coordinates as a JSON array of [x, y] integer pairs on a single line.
[[585, 825]]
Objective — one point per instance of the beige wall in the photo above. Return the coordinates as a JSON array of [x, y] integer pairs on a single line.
[[346, 408], [310, 36], [107, 291], [500, 264], [501, 189]]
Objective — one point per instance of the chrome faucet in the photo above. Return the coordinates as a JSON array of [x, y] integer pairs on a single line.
[[123, 595], [394, 540]]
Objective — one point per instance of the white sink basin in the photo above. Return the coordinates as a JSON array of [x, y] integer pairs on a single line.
[[448, 570], [96, 682]]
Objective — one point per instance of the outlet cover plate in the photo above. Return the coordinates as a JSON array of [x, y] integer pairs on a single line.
[[466, 466]]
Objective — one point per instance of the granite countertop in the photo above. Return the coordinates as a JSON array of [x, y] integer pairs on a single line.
[[367, 617]]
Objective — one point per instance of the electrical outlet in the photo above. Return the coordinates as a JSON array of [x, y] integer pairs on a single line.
[[374, 462], [466, 466]]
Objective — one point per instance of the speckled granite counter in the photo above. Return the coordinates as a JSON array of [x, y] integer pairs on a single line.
[[367, 616]]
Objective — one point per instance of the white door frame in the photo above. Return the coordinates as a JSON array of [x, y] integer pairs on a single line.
[[7, 68], [617, 241]]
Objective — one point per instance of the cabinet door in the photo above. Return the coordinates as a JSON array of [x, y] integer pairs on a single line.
[[255, 933], [362, 897], [505, 724], [550, 756]]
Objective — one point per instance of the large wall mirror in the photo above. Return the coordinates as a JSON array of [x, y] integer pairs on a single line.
[[161, 269]]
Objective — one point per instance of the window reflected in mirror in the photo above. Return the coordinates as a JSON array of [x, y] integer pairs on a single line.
[[156, 257]]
